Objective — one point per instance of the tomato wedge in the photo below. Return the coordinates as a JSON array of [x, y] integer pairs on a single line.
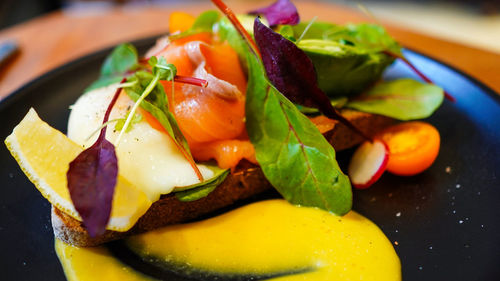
[[413, 147], [180, 22]]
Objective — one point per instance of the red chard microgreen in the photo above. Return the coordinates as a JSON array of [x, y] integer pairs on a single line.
[[280, 12], [291, 71], [92, 178]]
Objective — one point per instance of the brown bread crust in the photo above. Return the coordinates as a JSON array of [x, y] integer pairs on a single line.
[[245, 181]]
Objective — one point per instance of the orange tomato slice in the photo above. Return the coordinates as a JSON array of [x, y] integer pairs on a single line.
[[413, 147], [180, 22]]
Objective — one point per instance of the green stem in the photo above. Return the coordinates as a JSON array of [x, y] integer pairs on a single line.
[[102, 126], [146, 92], [306, 30]]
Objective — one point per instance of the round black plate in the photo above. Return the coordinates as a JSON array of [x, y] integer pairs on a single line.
[[444, 222]]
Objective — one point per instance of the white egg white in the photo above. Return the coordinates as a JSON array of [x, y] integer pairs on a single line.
[[146, 157]]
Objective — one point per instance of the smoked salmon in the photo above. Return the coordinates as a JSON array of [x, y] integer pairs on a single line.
[[212, 119]]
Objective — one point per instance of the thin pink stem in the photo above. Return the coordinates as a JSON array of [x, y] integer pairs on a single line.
[[110, 107], [234, 20], [191, 80], [418, 72]]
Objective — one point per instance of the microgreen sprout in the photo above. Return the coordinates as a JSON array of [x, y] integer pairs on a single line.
[[306, 29], [127, 84], [102, 126], [161, 71]]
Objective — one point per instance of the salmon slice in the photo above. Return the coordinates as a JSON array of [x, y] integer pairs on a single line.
[[210, 118]]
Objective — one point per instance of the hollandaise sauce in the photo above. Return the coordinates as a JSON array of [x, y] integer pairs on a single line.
[[260, 239]]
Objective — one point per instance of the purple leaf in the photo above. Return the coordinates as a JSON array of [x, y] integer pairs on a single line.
[[91, 183], [292, 72], [280, 12], [92, 178]]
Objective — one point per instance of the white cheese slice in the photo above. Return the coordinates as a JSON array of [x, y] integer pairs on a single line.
[[146, 157]]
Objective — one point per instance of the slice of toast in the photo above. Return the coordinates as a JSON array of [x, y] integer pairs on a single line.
[[245, 181]]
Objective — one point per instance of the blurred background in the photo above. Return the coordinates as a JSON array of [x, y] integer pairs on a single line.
[[471, 22]]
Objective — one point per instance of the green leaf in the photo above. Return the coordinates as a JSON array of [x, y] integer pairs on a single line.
[[156, 103], [206, 20], [203, 23], [287, 32], [403, 99], [122, 59], [200, 190], [294, 156], [166, 71], [336, 102], [102, 82], [228, 33], [365, 37], [121, 122], [348, 59]]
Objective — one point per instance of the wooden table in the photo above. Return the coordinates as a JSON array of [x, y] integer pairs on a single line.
[[57, 38]]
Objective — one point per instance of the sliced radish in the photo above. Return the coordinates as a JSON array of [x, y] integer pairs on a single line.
[[368, 163]]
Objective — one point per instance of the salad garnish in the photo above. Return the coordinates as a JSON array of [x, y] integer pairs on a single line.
[[447, 95], [294, 156], [92, 178], [292, 73], [403, 99], [237, 25], [150, 96], [418, 72]]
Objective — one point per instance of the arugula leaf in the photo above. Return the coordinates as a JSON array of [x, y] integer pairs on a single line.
[[296, 159], [202, 189], [403, 99], [122, 59]]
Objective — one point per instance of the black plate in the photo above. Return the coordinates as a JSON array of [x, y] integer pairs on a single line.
[[446, 224]]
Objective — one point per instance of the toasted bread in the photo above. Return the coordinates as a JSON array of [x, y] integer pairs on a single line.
[[245, 181]]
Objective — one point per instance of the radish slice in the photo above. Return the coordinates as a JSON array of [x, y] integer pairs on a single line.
[[368, 163]]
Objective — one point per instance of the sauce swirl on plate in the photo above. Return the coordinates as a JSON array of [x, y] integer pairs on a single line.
[[263, 238]]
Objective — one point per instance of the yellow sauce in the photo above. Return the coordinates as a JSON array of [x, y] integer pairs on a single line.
[[94, 264], [265, 238]]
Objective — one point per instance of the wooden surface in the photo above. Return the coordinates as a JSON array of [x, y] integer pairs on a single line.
[[57, 38]]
